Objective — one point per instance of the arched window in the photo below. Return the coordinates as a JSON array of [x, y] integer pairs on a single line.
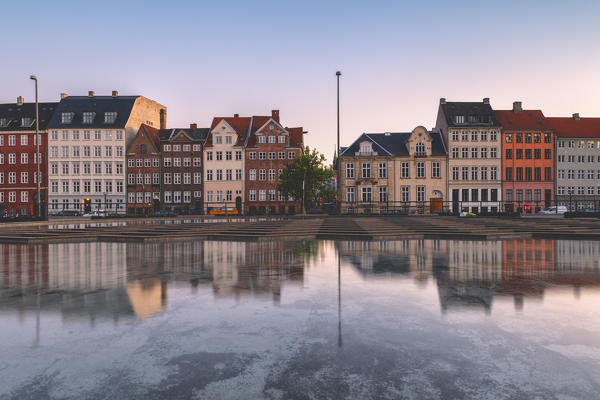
[[420, 149]]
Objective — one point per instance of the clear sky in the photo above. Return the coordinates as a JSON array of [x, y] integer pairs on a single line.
[[205, 59]]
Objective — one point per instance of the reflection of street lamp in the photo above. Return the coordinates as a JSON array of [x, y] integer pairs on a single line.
[[37, 148]]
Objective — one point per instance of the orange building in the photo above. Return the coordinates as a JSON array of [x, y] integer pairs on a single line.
[[527, 159]]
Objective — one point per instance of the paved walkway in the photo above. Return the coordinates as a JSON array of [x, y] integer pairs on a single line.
[[340, 228]]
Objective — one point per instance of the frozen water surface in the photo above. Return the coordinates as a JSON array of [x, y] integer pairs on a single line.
[[408, 319]]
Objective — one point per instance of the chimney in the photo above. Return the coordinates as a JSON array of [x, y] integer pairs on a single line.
[[91, 93], [236, 115], [193, 126], [443, 100], [275, 115], [163, 118], [20, 100], [576, 116], [115, 93], [486, 100], [63, 96], [517, 107]]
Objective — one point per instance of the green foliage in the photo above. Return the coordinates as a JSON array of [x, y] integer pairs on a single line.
[[310, 168]]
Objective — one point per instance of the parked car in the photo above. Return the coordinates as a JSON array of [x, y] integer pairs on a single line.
[[96, 213], [554, 210], [163, 214], [68, 213]]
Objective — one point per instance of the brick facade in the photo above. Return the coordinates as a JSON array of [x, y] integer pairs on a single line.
[[144, 172]]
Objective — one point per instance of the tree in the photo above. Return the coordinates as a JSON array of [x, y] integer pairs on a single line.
[[307, 178]]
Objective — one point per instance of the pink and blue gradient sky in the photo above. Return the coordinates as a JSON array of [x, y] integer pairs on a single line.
[[204, 59]]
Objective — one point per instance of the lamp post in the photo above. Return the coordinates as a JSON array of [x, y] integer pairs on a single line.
[[37, 148], [339, 190]]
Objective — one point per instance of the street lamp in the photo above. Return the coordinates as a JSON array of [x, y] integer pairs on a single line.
[[37, 147], [339, 190]]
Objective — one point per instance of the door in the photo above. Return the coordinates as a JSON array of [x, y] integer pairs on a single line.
[[455, 209], [87, 206], [238, 204], [548, 197]]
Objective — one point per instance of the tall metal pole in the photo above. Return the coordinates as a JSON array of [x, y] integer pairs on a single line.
[[338, 167], [37, 148]]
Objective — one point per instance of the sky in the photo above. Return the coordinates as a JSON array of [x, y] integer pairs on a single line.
[[206, 59]]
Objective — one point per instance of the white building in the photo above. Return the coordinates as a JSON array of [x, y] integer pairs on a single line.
[[88, 138]]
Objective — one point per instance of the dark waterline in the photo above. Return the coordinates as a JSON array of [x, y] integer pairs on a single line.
[[301, 320]]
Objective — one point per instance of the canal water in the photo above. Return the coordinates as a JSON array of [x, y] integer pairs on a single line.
[[423, 319]]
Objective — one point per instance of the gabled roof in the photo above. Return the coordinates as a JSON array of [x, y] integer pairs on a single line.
[[393, 144], [240, 124], [151, 133], [526, 120], [196, 134], [257, 122], [14, 112], [122, 105], [572, 127], [474, 113]]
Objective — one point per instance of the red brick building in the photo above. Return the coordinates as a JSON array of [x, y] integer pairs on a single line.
[[269, 148], [143, 172], [182, 182], [17, 157], [527, 159]]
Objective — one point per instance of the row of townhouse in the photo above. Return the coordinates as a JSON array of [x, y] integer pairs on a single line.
[[115, 153], [476, 159]]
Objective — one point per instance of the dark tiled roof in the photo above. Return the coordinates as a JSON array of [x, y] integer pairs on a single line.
[[474, 113], [526, 120], [13, 114], [196, 134], [122, 105], [571, 127], [393, 144]]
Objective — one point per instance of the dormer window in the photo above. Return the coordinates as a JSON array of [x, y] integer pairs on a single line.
[[26, 122], [110, 117], [66, 117], [459, 119], [262, 139], [3, 122], [473, 118], [366, 148], [420, 149], [88, 117]]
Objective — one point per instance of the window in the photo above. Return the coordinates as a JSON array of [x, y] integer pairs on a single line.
[[169, 197], [88, 117], [253, 195], [465, 136], [528, 154], [508, 138], [24, 140], [209, 174], [262, 139], [252, 155], [291, 155], [383, 194], [281, 155], [435, 169], [97, 151], [383, 170], [209, 156], [484, 152], [367, 194], [262, 155], [197, 178], [494, 174], [420, 193], [455, 136], [548, 173], [24, 177], [455, 173], [350, 195], [528, 175], [459, 119], [420, 149], [272, 175], [465, 152], [66, 118], [474, 152], [228, 175], [519, 174], [519, 138], [281, 139], [420, 170], [262, 175], [474, 194], [366, 170], [350, 171], [519, 154], [474, 136], [548, 154], [528, 196], [537, 174], [465, 173], [271, 155], [272, 139], [547, 138], [405, 193], [228, 155], [509, 154], [24, 158], [474, 173], [519, 193], [455, 152], [484, 173], [110, 117], [238, 174], [219, 175], [262, 194], [219, 155], [528, 138], [484, 136], [12, 158], [238, 155], [405, 170]]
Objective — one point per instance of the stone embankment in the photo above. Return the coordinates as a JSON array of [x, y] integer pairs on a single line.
[[332, 228]]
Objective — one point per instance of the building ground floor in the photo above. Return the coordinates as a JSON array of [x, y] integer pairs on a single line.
[[272, 208], [110, 203], [527, 197], [475, 198], [21, 201], [575, 202]]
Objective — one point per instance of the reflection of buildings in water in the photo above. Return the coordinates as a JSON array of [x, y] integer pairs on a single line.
[[253, 268], [415, 257], [471, 273]]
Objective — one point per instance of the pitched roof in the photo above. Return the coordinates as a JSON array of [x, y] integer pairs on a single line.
[[240, 124], [571, 127], [196, 134], [526, 120], [151, 133], [256, 123], [14, 112], [393, 144], [122, 105], [474, 113]]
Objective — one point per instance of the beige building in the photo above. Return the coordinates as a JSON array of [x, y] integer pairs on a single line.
[[394, 172], [224, 163]]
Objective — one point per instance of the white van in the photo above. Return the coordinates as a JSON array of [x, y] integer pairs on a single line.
[[554, 210]]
